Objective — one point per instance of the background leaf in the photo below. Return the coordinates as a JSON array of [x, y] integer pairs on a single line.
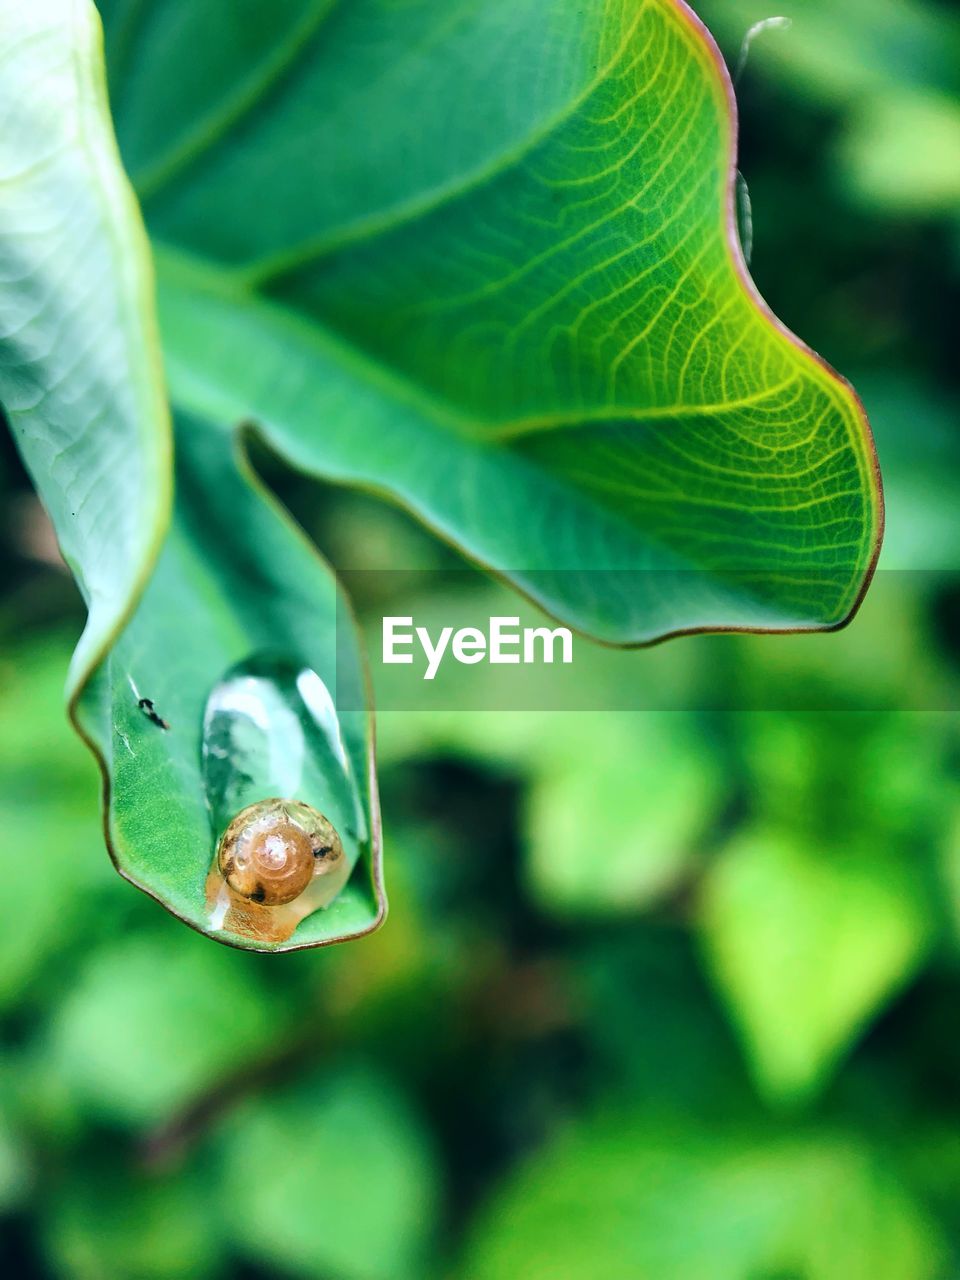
[[628, 1198], [366, 1217], [143, 1227], [892, 66], [845, 56], [617, 835], [112, 1040], [44, 771], [777, 916], [14, 1177]]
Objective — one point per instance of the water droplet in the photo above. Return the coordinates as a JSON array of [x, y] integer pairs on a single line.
[[277, 774]]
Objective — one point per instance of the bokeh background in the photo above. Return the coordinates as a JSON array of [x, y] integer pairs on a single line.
[[667, 995]]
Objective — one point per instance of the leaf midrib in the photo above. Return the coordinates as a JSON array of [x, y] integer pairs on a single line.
[[234, 108], [273, 267]]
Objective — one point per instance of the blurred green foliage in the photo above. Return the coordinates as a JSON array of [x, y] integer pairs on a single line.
[[719, 1208], [662, 995]]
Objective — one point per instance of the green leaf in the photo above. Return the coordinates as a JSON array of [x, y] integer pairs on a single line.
[[46, 784], [14, 1172], [628, 1198], [80, 377], [335, 1178], [612, 837], [903, 154], [241, 576], [129, 1223], [806, 943], [922, 470], [948, 859], [616, 805], [481, 258], [148, 1026]]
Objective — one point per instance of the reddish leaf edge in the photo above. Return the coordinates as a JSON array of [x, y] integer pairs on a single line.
[[724, 82]]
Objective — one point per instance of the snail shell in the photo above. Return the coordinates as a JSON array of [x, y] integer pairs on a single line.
[[273, 849]]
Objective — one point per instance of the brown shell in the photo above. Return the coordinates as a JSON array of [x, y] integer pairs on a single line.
[[273, 849]]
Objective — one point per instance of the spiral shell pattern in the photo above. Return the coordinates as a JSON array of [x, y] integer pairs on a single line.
[[274, 849]]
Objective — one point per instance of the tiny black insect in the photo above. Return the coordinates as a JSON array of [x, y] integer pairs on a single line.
[[150, 711]]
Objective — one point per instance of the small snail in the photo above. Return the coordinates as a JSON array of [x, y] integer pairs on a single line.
[[274, 849]]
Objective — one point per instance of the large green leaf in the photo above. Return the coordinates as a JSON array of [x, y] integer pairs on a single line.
[[80, 376], [481, 257]]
